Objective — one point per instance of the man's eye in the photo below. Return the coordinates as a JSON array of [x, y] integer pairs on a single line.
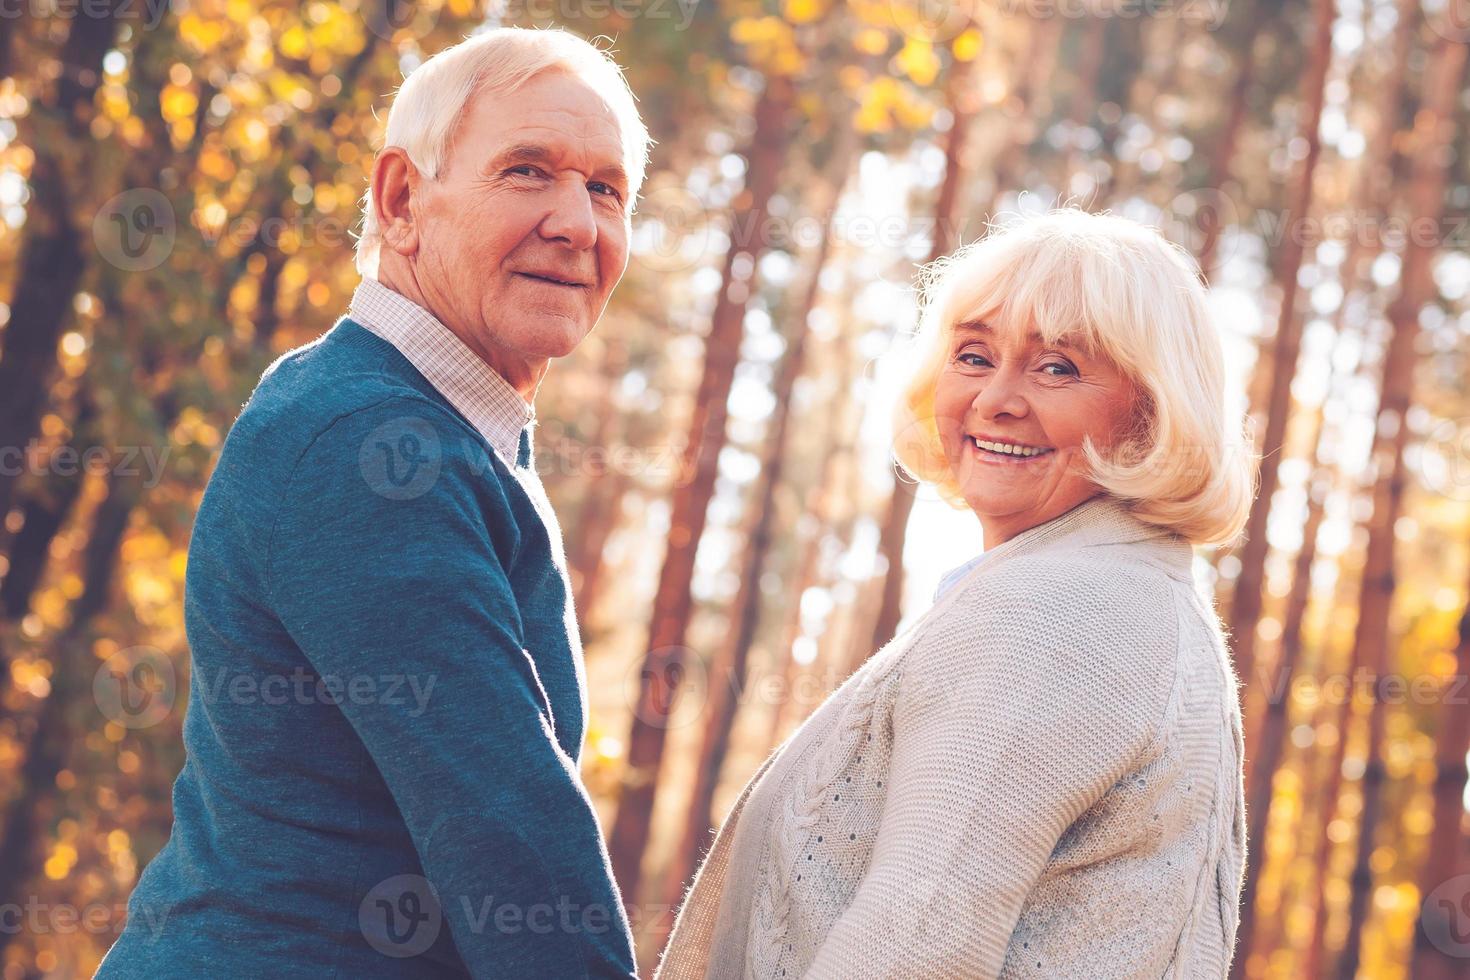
[[524, 170], [606, 190]]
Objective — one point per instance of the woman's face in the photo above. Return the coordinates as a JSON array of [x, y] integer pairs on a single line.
[[1012, 416]]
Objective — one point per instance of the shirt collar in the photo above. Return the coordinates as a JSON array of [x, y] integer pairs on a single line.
[[477, 391]]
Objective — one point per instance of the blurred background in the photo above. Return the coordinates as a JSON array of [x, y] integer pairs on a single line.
[[179, 183]]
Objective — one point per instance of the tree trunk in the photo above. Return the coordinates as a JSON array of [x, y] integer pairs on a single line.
[[961, 101], [1432, 139], [1271, 741], [71, 683], [44, 511], [841, 442], [1225, 144], [51, 254], [604, 495], [1246, 605], [1329, 794], [1439, 919], [728, 678], [663, 665]]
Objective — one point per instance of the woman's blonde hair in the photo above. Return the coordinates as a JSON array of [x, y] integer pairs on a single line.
[[1125, 293], [432, 99]]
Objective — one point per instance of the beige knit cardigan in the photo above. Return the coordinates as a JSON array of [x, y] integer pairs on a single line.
[[1040, 778]]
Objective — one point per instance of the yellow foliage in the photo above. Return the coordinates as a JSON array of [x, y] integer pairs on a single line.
[[918, 61], [870, 40], [804, 11], [770, 44], [132, 130], [295, 43], [216, 165], [967, 46], [202, 33], [71, 585], [114, 103]]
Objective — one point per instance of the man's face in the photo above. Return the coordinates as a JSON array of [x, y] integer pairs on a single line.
[[525, 233]]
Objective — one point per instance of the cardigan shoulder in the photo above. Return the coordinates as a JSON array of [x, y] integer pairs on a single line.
[[1113, 603], [1037, 625]]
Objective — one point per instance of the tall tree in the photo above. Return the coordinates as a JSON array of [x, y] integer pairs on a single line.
[[663, 665], [962, 99], [728, 678], [1272, 739], [1444, 859], [51, 256], [1246, 27], [71, 685], [1433, 140], [1246, 605]]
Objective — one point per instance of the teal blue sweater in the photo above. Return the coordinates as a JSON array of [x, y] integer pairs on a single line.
[[386, 705]]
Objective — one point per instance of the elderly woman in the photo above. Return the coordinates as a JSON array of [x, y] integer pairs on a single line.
[[1042, 776]]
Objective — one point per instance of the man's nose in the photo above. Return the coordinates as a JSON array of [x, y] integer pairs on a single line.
[[570, 220]]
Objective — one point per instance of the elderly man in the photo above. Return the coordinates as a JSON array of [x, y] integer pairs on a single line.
[[388, 701]]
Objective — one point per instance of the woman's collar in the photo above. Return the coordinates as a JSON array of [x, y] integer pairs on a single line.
[[1099, 520]]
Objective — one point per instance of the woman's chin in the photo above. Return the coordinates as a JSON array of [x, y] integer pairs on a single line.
[[989, 503]]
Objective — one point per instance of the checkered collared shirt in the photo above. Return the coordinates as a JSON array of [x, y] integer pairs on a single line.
[[481, 395]]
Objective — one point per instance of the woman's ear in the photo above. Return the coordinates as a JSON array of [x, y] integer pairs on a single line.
[[395, 183]]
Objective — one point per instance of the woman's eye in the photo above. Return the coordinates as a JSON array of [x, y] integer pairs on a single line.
[[1067, 369], [971, 359]]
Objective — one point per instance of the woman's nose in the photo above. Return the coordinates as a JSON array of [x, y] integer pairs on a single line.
[[1001, 394]]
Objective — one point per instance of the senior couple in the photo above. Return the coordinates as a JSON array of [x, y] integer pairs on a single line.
[[1041, 777]]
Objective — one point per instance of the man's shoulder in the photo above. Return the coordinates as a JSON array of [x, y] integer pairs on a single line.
[[346, 375]]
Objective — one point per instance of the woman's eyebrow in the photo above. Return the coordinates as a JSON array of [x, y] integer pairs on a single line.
[[981, 327]]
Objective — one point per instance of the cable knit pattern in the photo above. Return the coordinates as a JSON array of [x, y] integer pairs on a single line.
[[1040, 778]]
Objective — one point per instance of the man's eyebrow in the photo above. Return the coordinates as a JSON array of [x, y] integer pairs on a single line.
[[613, 173], [536, 153], [524, 153]]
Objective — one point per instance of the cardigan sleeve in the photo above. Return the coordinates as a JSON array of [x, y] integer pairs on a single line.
[[1017, 710], [373, 581]]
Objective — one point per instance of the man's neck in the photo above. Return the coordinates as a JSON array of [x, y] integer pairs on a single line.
[[521, 374]]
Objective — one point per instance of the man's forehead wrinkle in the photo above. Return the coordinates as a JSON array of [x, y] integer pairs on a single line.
[[558, 142]]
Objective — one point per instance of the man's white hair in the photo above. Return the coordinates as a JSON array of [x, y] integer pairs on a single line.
[[429, 103]]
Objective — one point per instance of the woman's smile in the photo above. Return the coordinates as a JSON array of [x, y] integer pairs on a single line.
[[1006, 453]]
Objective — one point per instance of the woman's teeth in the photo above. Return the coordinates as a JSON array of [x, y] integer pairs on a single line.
[[1008, 449]]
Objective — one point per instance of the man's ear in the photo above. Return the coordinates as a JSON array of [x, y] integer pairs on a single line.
[[395, 183]]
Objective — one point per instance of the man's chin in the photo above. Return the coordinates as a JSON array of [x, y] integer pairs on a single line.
[[537, 330], [559, 336]]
